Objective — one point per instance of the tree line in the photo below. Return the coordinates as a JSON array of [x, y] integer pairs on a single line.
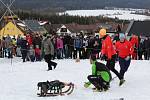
[[63, 19], [80, 4]]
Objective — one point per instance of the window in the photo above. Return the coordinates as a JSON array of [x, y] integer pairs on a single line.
[[63, 30]]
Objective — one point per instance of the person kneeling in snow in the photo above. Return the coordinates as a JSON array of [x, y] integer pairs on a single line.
[[100, 77]]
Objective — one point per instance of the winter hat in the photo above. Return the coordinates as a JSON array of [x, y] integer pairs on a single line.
[[102, 32], [122, 36]]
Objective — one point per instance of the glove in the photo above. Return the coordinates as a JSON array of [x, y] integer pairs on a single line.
[[127, 58], [87, 84]]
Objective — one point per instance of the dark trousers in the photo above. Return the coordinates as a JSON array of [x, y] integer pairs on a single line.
[[111, 66], [50, 63], [140, 53], [97, 81], [4, 52], [24, 55], [0, 53], [89, 52], [84, 54], [60, 53], [38, 57], [32, 58], [76, 53], [66, 51], [146, 54], [124, 65], [10, 53]]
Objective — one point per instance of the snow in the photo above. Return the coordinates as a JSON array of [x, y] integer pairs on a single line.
[[19, 80], [121, 14], [21, 24], [42, 22]]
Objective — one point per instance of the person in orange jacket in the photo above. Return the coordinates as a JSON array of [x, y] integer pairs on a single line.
[[124, 49], [108, 52]]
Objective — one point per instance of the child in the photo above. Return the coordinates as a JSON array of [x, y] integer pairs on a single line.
[[37, 53], [100, 77]]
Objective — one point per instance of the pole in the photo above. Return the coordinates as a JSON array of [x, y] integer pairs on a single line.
[[10, 12]]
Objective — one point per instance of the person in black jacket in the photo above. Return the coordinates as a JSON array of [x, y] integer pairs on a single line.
[[96, 46], [24, 48], [140, 48], [37, 40], [149, 47], [146, 48], [71, 47], [66, 41], [116, 38]]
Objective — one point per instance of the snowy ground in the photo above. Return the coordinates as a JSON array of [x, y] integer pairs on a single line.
[[19, 80], [121, 14]]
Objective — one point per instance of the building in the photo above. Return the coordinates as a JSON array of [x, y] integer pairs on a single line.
[[33, 26], [139, 28], [11, 29], [73, 28]]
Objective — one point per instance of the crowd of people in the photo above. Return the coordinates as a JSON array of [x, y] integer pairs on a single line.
[[66, 47], [121, 50], [104, 47]]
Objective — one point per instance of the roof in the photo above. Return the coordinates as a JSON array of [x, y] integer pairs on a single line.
[[75, 28], [11, 29], [92, 28], [34, 26], [139, 28]]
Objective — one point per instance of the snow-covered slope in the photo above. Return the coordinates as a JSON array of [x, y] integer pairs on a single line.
[[121, 14], [19, 80]]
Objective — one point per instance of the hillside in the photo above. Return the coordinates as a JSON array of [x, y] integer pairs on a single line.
[[80, 4]]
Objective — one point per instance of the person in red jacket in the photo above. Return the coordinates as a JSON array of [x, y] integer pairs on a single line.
[[108, 52], [29, 39], [134, 41], [124, 49], [37, 53]]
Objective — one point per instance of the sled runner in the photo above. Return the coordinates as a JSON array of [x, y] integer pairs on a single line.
[[54, 88]]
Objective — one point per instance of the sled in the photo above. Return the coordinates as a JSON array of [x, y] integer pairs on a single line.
[[54, 88]]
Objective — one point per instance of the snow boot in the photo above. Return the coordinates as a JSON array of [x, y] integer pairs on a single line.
[[55, 65], [97, 90], [87, 84], [121, 82], [106, 89], [93, 88]]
